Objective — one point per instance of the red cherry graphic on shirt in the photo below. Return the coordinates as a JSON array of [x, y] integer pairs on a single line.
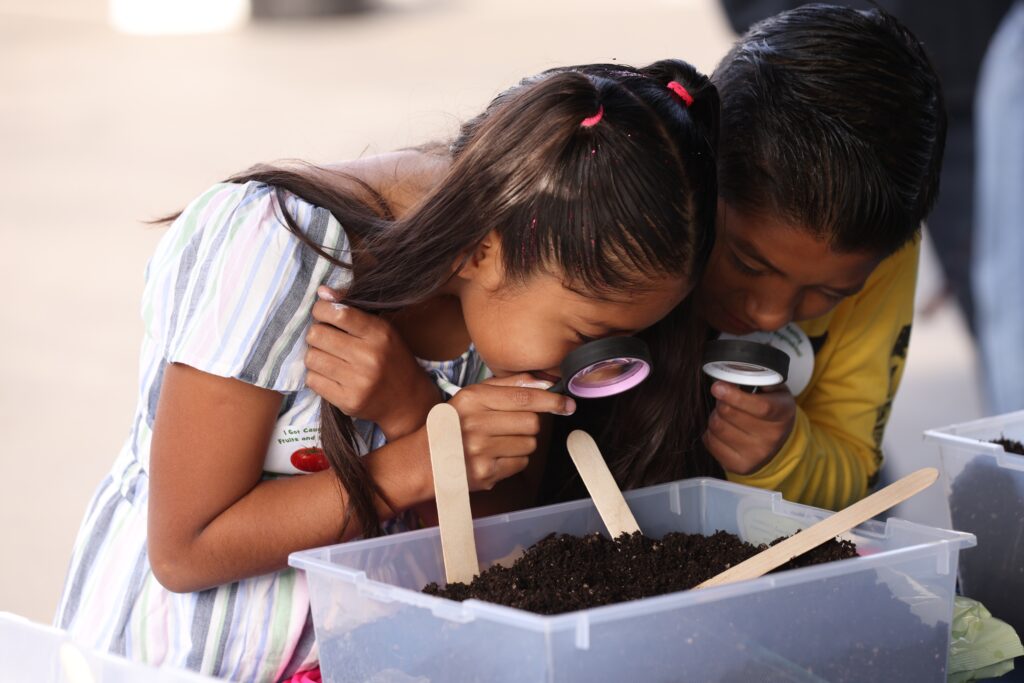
[[309, 460]]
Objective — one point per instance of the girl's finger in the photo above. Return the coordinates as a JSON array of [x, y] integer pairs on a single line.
[[326, 388], [499, 423], [502, 447], [330, 340], [523, 379], [325, 293], [352, 320], [522, 399], [327, 364], [508, 467]]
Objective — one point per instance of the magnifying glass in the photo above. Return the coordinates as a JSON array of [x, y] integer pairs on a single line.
[[604, 367], [747, 363]]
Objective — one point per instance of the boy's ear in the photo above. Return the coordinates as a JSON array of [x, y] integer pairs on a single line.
[[484, 265]]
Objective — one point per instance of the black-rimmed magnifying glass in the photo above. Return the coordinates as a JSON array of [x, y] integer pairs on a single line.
[[604, 367], [749, 364]]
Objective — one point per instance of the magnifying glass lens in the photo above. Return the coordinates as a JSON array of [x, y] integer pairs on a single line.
[[743, 367], [604, 367], [744, 362], [608, 377]]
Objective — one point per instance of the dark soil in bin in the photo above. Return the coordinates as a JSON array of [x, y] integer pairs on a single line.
[[1009, 445], [563, 573]]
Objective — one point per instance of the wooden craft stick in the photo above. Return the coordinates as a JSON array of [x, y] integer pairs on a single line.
[[601, 485], [830, 527], [451, 491]]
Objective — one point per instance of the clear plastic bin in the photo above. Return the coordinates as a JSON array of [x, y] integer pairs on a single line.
[[985, 488], [33, 653], [882, 616]]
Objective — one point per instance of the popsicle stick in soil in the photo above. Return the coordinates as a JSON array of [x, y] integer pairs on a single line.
[[600, 483], [830, 527], [451, 491]]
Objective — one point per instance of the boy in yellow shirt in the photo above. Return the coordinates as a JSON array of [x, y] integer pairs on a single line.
[[832, 135]]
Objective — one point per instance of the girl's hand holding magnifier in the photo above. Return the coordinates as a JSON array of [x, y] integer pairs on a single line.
[[501, 421], [358, 362]]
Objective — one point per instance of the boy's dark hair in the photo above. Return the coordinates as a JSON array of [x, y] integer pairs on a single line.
[[834, 119]]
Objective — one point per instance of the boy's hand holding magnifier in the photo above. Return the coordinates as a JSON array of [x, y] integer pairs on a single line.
[[755, 410]]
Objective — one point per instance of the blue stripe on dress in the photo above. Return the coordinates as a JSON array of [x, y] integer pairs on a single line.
[[202, 614], [257, 362], [97, 535]]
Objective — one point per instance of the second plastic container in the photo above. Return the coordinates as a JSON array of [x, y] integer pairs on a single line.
[[985, 488], [34, 653]]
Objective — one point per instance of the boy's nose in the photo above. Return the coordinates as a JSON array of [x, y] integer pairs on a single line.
[[769, 316]]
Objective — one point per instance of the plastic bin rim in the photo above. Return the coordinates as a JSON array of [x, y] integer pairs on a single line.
[[948, 437], [97, 659], [951, 432], [776, 503]]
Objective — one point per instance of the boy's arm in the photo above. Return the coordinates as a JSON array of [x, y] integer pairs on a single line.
[[833, 454]]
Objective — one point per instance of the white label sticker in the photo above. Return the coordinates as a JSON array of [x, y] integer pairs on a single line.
[[295, 449]]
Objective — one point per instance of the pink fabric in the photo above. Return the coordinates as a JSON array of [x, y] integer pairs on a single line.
[[311, 676]]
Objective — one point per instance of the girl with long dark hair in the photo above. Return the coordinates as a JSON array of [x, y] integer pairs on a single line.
[[582, 205]]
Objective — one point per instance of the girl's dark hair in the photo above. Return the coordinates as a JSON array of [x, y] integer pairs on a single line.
[[607, 207], [834, 119]]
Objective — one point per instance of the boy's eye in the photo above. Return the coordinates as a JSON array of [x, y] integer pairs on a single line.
[[743, 267]]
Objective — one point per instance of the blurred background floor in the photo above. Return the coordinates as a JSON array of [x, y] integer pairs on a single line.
[[100, 131]]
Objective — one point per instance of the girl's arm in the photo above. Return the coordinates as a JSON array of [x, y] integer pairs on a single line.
[[212, 520]]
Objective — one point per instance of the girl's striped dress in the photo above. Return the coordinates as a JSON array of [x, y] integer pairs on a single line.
[[229, 291]]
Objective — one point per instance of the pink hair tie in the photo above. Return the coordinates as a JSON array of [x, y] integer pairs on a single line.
[[593, 120], [681, 91]]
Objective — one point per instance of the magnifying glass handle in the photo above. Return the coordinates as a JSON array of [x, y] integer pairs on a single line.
[[558, 388]]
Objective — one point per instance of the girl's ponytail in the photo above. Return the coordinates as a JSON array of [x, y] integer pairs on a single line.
[[703, 104]]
